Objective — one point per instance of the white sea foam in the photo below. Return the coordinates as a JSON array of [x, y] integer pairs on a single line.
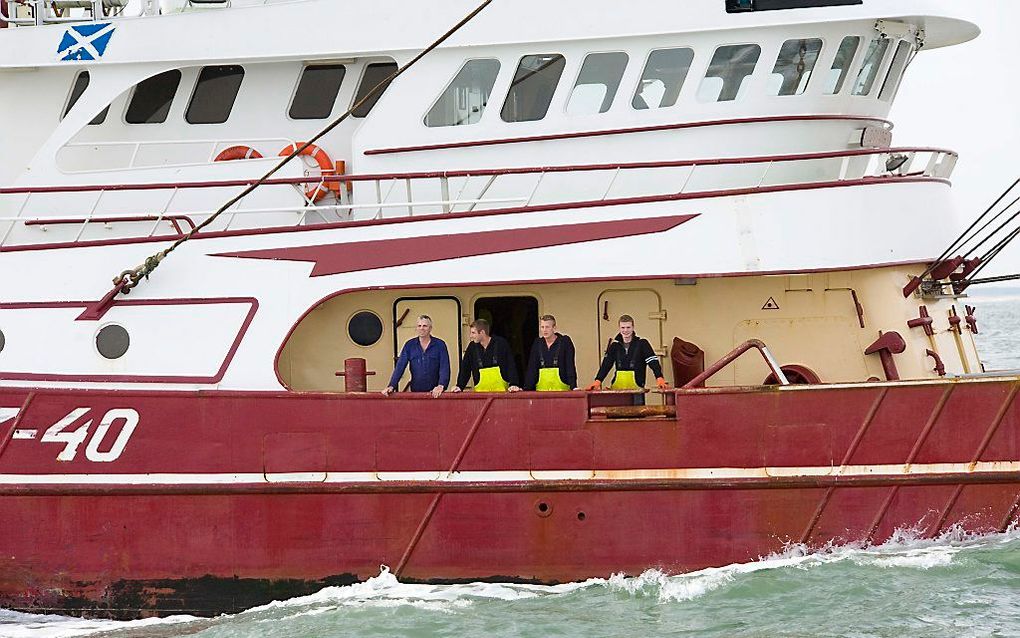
[[903, 551], [16, 625]]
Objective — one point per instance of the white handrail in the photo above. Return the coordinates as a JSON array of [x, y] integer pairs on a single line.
[[389, 192], [215, 147]]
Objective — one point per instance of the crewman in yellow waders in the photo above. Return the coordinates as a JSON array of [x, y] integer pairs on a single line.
[[631, 355], [488, 361], [551, 364]]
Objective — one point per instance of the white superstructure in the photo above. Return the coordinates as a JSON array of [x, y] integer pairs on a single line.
[[763, 133]]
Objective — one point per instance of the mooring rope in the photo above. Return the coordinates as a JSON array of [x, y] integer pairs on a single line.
[[129, 279]]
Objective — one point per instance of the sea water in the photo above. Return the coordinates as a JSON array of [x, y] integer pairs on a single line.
[[953, 586]]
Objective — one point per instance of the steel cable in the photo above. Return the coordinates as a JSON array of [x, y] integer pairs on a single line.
[[129, 279], [963, 239]]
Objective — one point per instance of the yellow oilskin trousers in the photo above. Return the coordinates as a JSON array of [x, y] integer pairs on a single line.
[[625, 380], [549, 381], [491, 380]]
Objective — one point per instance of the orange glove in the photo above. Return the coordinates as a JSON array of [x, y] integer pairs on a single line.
[[661, 383], [595, 386]]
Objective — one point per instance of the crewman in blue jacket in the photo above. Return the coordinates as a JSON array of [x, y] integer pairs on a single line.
[[429, 360]]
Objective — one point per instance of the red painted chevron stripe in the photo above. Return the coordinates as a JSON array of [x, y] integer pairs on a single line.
[[333, 259]]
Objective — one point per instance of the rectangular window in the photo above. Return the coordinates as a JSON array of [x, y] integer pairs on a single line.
[[533, 88], [896, 69], [841, 64], [872, 63], [465, 99], [81, 82], [215, 94], [317, 91], [375, 74], [729, 70], [597, 84], [662, 79], [150, 103], [794, 67]]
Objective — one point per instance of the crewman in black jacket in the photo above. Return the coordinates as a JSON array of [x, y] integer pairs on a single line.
[[488, 361], [630, 354], [551, 364]]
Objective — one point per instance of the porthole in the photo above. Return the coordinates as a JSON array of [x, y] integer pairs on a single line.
[[365, 328], [3, 341], [113, 341]]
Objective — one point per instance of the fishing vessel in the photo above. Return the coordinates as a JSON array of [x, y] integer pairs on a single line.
[[220, 219]]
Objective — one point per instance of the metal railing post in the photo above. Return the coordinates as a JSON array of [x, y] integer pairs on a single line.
[[162, 214], [88, 219], [444, 192]]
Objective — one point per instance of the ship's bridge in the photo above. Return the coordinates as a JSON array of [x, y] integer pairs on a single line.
[[734, 93]]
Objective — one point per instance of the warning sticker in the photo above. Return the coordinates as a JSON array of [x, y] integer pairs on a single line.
[[770, 304]]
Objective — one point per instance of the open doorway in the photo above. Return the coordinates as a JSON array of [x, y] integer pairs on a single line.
[[515, 319]]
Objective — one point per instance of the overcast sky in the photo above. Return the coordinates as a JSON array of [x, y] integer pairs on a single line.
[[967, 98]]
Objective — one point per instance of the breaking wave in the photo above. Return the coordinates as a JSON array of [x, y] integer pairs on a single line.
[[382, 597]]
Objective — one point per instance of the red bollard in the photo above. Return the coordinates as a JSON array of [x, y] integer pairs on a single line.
[[888, 344], [355, 374]]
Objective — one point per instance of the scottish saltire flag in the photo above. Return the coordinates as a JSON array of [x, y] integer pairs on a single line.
[[86, 41]]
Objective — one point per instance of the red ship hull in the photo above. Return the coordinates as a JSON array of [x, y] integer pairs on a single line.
[[206, 503]]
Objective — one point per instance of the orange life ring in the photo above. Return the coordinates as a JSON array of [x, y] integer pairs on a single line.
[[314, 192], [237, 153]]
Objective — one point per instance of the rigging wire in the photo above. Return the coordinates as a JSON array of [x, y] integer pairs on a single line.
[[993, 280], [963, 238], [129, 279], [998, 229], [992, 254]]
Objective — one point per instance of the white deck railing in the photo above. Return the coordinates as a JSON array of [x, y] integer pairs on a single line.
[[35, 215]]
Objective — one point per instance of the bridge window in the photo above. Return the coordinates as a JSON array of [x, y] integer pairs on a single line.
[[81, 82], [662, 79], [896, 69], [597, 84], [464, 101], [215, 94], [374, 75], [533, 88], [317, 91], [727, 74], [841, 64], [150, 103], [872, 64], [794, 67]]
